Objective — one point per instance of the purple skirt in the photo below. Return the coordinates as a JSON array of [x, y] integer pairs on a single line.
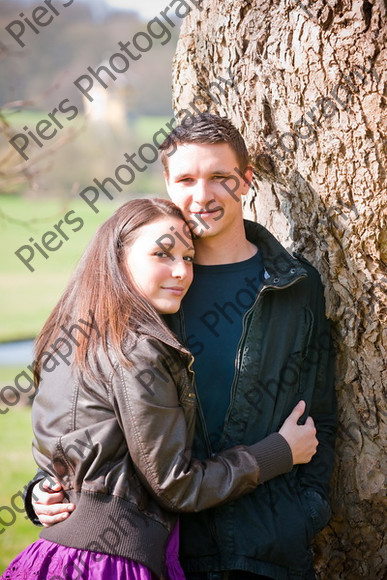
[[44, 560]]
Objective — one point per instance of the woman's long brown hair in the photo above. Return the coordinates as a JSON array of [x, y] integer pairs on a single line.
[[100, 284]]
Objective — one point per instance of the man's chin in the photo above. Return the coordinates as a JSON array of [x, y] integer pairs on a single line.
[[206, 226]]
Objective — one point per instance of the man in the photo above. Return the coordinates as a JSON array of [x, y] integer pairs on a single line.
[[254, 320]]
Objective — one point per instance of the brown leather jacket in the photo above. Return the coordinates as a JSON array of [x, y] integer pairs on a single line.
[[122, 450]]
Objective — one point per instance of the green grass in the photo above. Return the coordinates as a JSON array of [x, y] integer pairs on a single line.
[[17, 468], [18, 118], [27, 297], [148, 126], [7, 374]]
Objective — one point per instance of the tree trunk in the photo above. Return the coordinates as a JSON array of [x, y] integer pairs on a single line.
[[304, 83]]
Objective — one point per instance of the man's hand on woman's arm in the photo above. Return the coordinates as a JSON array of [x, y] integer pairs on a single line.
[[47, 502]]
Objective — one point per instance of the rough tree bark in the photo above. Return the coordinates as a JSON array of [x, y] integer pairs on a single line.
[[306, 85]]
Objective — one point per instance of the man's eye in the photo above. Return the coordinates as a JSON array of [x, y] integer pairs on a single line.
[[189, 259]]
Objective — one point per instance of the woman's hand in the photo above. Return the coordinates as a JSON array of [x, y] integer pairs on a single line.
[[47, 501], [300, 438]]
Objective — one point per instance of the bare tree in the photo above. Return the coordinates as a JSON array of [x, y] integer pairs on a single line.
[[308, 93]]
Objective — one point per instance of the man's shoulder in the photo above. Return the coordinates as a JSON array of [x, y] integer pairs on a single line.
[[263, 238], [257, 233], [312, 271]]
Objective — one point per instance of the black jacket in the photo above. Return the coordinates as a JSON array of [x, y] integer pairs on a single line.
[[284, 355]]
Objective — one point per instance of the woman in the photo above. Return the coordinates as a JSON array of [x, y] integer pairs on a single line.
[[114, 414]]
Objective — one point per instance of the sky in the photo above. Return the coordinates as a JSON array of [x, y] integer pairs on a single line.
[[146, 8]]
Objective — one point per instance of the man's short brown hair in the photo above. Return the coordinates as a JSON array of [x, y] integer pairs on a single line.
[[206, 128]]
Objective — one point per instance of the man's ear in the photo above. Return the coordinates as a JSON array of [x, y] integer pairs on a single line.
[[166, 178], [247, 178]]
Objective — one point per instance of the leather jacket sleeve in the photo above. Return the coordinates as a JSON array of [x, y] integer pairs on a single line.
[[156, 416], [154, 403]]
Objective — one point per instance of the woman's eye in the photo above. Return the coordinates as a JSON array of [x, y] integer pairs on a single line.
[[189, 259], [160, 254]]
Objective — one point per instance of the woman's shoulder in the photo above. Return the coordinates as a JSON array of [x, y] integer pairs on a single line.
[[151, 348]]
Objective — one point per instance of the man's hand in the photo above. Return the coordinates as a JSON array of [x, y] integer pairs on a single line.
[[47, 501], [300, 438]]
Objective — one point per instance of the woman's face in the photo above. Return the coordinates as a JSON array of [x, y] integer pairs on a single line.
[[159, 262]]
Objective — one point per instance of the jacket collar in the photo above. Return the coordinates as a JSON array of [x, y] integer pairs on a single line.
[[145, 328], [281, 269]]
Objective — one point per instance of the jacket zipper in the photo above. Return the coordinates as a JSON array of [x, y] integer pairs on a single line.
[[242, 340]]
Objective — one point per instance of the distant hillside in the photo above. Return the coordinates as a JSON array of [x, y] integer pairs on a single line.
[[44, 71]]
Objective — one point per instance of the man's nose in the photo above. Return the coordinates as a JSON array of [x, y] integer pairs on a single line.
[[202, 192]]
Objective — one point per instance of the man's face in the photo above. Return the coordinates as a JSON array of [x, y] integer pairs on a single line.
[[203, 180]]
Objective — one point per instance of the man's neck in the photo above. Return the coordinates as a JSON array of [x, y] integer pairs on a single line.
[[210, 251]]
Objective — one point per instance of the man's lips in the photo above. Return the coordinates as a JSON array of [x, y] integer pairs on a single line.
[[203, 213]]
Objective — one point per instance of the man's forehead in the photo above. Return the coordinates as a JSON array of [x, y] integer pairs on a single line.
[[187, 156]]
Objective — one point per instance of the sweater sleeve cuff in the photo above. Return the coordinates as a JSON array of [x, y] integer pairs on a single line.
[[273, 455]]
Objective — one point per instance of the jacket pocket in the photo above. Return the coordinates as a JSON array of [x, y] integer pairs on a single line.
[[187, 395], [317, 510], [272, 525], [306, 353], [291, 377]]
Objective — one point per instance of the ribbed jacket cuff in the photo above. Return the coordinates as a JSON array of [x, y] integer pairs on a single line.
[[27, 496], [273, 455]]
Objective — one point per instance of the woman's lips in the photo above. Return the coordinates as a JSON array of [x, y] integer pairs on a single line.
[[176, 290]]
